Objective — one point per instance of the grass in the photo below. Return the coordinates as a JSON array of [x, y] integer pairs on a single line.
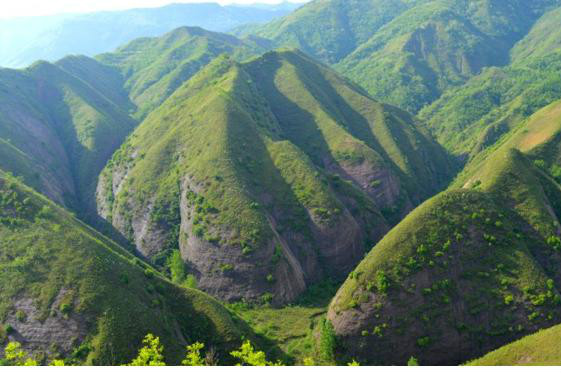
[[294, 328], [227, 139], [47, 251], [538, 349]]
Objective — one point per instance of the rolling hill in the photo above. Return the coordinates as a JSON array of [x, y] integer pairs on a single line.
[[69, 292], [471, 269], [252, 169]]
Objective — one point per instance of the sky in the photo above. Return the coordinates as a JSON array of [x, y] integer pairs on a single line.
[[24, 8]]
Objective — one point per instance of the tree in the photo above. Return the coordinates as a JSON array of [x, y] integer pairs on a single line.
[[150, 354], [16, 356], [193, 357], [249, 357], [412, 362]]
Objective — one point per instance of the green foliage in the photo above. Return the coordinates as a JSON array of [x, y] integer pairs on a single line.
[[151, 353], [15, 356], [193, 357], [327, 340], [412, 362], [249, 357]]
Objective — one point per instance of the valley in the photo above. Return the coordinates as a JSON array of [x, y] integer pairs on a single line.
[[373, 182]]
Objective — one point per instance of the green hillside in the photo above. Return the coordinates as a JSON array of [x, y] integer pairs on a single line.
[[70, 292], [58, 131], [472, 117], [329, 30], [252, 170], [153, 68], [437, 45], [541, 348], [469, 270]]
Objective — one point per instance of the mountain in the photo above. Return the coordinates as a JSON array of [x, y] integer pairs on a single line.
[[58, 131], [62, 122], [252, 170], [471, 269], [26, 40], [69, 292], [153, 68], [330, 29], [472, 117], [540, 348]]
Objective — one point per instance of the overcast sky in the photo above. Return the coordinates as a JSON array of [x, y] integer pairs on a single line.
[[18, 8]]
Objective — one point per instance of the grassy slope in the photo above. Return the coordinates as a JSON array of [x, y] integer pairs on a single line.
[[232, 120], [474, 116], [154, 68], [63, 127], [47, 251], [434, 46], [514, 212], [331, 29], [541, 348]]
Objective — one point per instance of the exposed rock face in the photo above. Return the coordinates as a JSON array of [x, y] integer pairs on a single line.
[[274, 185], [55, 334]]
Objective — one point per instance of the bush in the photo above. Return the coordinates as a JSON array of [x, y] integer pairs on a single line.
[[267, 298], [412, 362], [424, 341], [226, 267], [65, 308], [328, 341], [382, 281]]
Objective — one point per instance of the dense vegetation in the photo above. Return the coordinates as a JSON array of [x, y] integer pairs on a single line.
[[263, 177], [73, 293]]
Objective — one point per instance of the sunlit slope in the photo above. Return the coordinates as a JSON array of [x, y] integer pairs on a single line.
[[253, 169]]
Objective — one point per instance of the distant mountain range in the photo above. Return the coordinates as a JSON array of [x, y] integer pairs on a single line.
[[26, 40]]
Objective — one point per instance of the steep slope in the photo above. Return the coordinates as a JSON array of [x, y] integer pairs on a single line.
[[155, 67], [251, 171], [68, 291], [541, 348], [469, 270], [472, 117], [329, 30], [58, 131], [543, 39], [437, 45], [26, 40]]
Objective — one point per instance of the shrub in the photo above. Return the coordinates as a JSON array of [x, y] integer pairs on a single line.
[[150, 354], [193, 357], [412, 362], [226, 267], [267, 298], [65, 308], [249, 357], [190, 281], [149, 273], [328, 341], [21, 316], [382, 281], [424, 341], [270, 278], [554, 242]]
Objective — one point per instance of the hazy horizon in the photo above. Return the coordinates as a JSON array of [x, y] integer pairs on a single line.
[[40, 8]]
